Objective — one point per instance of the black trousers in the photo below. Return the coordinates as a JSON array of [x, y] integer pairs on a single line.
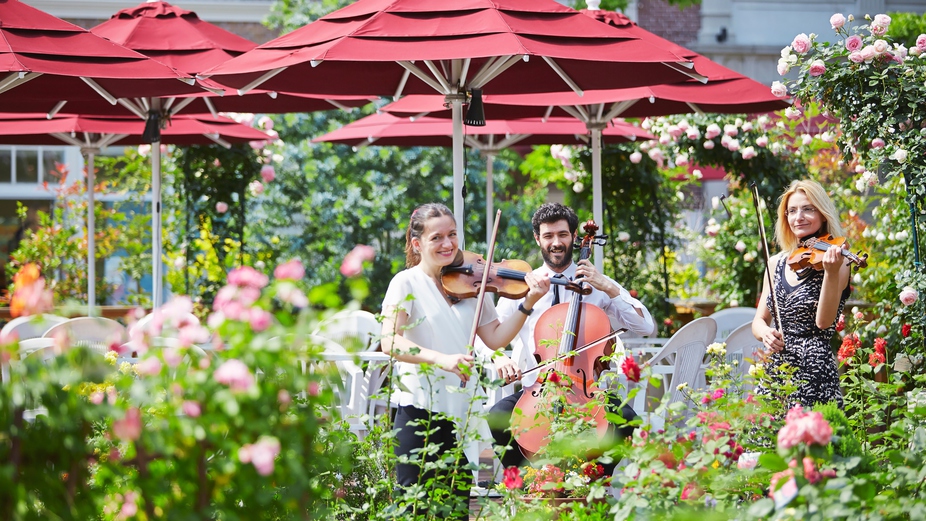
[[412, 424], [500, 425]]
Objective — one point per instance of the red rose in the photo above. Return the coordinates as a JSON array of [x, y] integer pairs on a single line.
[[513, 478], [554, 377], [631, 369], [905, 330], [633, 293]]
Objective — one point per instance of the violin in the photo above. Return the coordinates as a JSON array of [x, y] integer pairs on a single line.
[[463, 277], [570, 324], [810, 253]]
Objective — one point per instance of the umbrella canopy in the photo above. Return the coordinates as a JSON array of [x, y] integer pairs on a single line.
[[178, 37], [395, 47], [725, 92], [182, 40], [63, 62], [92, 133], [388, 130]]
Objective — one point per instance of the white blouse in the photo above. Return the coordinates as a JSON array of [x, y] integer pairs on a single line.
[[434, 324]]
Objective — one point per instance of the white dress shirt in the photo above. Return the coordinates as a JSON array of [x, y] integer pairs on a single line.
[[620, 309]]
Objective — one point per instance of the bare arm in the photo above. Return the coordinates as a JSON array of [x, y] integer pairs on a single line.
[[395, 344], [761, 325], [496, 334]]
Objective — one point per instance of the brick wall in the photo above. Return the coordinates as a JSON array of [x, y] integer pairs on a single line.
[[667, 21]]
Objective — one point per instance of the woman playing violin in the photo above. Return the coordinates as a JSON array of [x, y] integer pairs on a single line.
[[424, 326], [809, 303]]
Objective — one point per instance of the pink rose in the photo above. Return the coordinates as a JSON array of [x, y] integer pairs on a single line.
[[856, 57], [257, 145], [882, 20], [267, 173], [793, 113], [256, 188], [810, 471], [259, 319], [262, 454], [313, 388], [817, 68], [675, 131], [748, 460], [221, 207], [246, 276], [191, 409], [908, 296], [868, 52], [880, 47], [708, 145], [265, 123], [748, 153], [783, 67], [713, 130], [718, 394], [353, 261], [234, 374], [762, 141], [921, 42], [807, 428], [636, 157], [837, 21], [149, 366], [878, 30], [692, 133], [779, 90], [853, 43], [290, 270], [801, 43], [129, 427], [877, 143]]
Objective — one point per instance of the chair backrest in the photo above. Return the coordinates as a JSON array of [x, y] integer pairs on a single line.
[[32, 326], [94, 332], [741, 346], [355, 395], [352, 328], [684, 352], [731, 318], [144, 322]]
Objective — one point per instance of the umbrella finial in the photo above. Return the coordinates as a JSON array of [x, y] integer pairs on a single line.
[[592, 5]]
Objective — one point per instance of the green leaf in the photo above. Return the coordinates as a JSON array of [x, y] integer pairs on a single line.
[[761, 508], [865, 490], [773, 462]]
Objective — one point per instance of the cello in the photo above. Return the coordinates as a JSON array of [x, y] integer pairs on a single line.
[[572, 324]]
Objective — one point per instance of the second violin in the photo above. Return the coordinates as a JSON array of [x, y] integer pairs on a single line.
[[810, 253], [462, 278]]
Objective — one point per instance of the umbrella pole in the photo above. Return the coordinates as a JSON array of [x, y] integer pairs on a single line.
[[156, 225], [91, 232], [490, 196], [597, 198], [457, 111]]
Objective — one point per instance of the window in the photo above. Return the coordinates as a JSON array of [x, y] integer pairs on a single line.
[[29, 164]]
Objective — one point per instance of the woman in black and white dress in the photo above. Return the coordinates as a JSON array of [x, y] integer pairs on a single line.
[[809, 303]]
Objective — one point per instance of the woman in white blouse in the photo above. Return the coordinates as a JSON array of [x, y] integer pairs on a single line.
[[424, 326]]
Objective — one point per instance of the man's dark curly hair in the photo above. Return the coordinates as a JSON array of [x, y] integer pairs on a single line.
[[553, 212]]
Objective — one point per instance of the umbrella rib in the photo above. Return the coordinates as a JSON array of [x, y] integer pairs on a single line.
[[487, 75], [16, 79], [576, 112], [67, 139], [462, 81], [411, 67], [133, 108], [486, 66], [686, 68], [211, 107], [180, 106], [695, 107], [562, 74], [546, 114], [264, 77], [511, 140], [341, 106], [57, 108], [218, 140], [401, 87], [439, 76], [99, 90], [619, 108]]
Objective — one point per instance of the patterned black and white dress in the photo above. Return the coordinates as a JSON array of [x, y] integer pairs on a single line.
[[807, 347]]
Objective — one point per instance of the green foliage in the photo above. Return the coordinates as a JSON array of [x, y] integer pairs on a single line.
[[905, 27], [845, 444]]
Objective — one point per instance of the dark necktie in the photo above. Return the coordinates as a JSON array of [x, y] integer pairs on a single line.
[[556, 288]]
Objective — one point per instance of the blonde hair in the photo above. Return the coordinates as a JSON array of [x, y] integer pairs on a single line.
[[416, 226], [818, 197]]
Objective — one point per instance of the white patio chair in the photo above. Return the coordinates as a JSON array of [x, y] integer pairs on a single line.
[[731, 318], [352, 327], [97, 333], [741, 347], [32, 326], [354, 393], [679, 361]]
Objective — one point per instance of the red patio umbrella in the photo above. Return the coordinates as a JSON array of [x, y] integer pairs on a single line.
[[388, 130], [725, 92], [395, 47], [62, 62], [179, 38], [91, 133]]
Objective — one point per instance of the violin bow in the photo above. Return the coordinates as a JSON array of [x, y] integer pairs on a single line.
[[754, 189], [480, 298]]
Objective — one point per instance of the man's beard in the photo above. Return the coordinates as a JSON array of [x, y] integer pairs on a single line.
[[548, 258]]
